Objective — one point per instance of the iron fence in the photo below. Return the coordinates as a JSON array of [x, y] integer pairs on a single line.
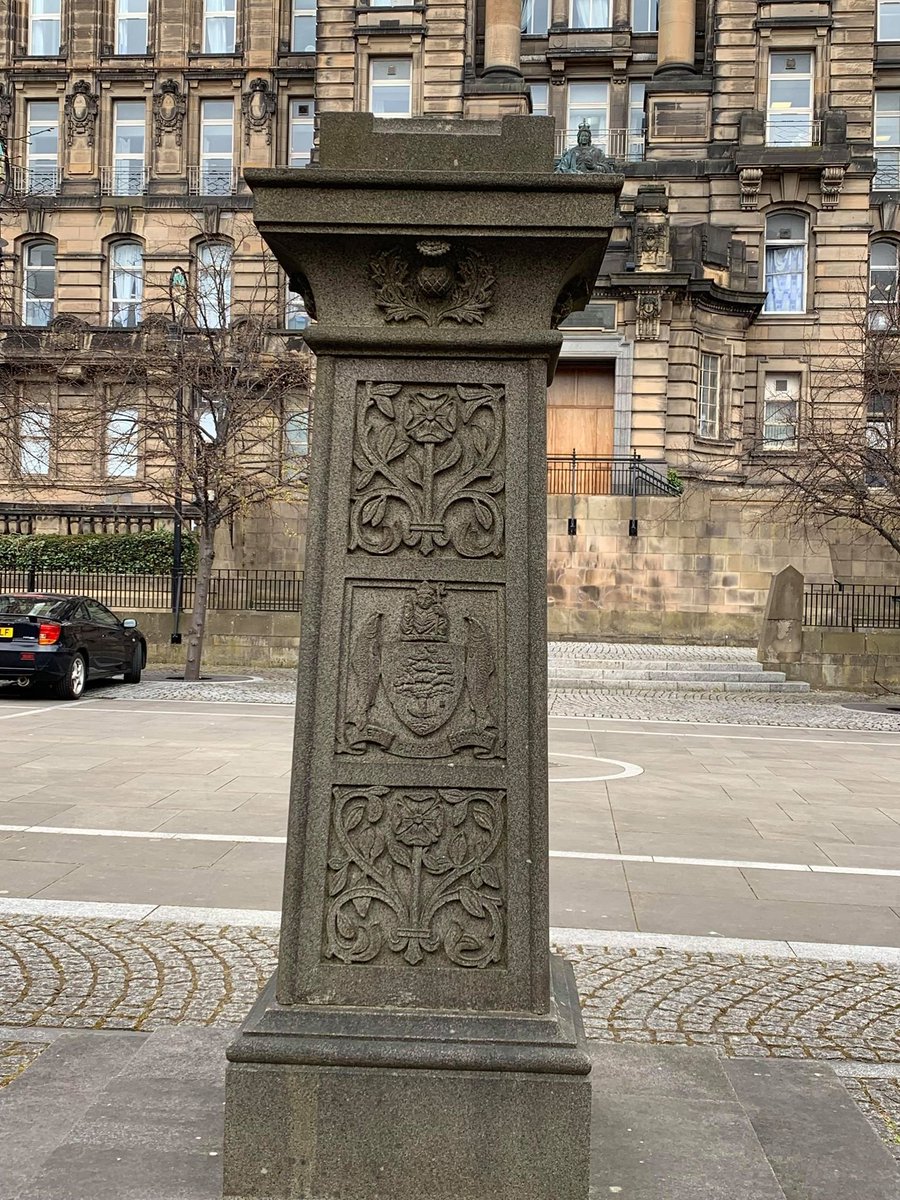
[[587, 475], [236, 590], [852, 605]]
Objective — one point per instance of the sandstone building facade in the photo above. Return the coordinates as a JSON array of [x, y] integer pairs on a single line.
[[760, 143]]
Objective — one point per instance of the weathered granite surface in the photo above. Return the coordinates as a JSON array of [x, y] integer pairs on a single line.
[[417, 1042]]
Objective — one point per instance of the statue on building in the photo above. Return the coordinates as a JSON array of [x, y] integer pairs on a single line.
[[583, 157]]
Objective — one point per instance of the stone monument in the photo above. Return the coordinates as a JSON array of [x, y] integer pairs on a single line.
[[420, 1041]]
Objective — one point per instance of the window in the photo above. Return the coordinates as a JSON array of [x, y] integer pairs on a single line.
[[887, 141], [129, 136], [709, 402], [296, 435], [645, 16], [302, 132], [132, 24], [790, 103], [303, 26], [34, 441], [781, 403], [218, 26], [883, 273], [214, 286], [126, 285], [43, 147], [889, 20], [636, 120], [785, 263], [540, 99], [589, 102], [122, 444], [216, 147], [590, 14], [40, 283], [295, 314], [45, 22], [535, 17], [390, 87]]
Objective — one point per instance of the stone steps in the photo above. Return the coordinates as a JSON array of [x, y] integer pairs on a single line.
[[568, 681]]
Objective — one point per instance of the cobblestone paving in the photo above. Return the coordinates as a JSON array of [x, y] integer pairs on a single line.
[[15, 1057], [879, 1099], [126, 975], [644, 650]]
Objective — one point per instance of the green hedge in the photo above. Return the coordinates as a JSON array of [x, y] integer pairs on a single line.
[[149, 552]]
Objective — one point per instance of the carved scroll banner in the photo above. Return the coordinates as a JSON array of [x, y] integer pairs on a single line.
[[417, 1012]]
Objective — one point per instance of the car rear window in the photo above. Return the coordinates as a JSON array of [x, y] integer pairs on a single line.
[[32, 606]]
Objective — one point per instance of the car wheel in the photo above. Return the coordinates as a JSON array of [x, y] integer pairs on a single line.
[[133, 674], [72, 685]]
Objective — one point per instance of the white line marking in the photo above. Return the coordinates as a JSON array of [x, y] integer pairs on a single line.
[[173, 712], [574, 939], [628, 771], [159, 835], [732, 737]]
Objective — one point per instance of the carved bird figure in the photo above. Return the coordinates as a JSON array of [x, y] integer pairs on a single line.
[[365, 664], [480, 671]]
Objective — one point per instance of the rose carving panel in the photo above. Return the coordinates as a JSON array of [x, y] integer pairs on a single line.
[[415, 875], [428, 469]]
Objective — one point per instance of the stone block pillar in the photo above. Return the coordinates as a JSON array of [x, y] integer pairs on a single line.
[[420, 1042]]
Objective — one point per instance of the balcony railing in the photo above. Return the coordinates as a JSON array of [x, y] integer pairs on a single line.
[[887, 170], [123, 181], [35, 181], [212, 181], [591, 475], [621, 145], [784, 129]]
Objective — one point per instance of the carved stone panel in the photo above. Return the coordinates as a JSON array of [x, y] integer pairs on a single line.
[[424, 675], [428, 469], [80, 109], [416, 876], [435, 285]]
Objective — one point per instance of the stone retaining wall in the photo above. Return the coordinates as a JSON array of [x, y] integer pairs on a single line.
[[866, 661], [238, 639]]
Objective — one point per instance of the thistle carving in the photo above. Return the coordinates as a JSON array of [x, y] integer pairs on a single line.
[[428, 469], [416, 875], [438, 286]]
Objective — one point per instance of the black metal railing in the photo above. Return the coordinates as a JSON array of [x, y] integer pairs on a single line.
[[589, 475], [236, 590], [852, 605]]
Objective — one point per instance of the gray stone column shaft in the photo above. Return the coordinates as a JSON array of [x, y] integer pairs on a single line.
[[415, 991]]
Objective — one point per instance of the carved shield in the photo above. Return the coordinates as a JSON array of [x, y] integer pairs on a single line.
[[423, 681]]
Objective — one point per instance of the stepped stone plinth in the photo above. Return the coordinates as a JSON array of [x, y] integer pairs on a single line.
[[419, 1040]]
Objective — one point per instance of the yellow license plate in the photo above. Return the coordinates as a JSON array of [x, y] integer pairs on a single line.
[[6, 631]]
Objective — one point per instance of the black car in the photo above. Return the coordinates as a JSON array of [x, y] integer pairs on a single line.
[[63, 641]]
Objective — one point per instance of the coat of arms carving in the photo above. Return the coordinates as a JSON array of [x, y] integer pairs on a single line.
[[422, 683], [81, 113], [169, 108]]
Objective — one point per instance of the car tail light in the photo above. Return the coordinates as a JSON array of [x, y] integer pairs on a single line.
[[48, 635]]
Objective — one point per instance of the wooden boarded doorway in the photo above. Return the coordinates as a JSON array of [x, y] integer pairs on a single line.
[[580, 417]]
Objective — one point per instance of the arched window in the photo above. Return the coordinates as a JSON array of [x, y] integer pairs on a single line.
[[214, 285], [39, 283], [785, 265], [126, 285], [883, 264]]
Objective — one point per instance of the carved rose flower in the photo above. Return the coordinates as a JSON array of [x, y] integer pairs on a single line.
[[431, 417], [418, 822]]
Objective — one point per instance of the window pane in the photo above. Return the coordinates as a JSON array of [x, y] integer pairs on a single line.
[[391, 70], [391, 87], [214, 285], [303, 26], [34, 442], [888, 21], [540, 98], [645, 16], [590, 14], [535, 16], [302, 132], [122, 444], [708, 406], [786, 227]]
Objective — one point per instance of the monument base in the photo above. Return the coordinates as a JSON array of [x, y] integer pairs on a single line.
[[341, 1104]]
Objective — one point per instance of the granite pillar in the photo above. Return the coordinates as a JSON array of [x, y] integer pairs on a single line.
[[420, 1041]]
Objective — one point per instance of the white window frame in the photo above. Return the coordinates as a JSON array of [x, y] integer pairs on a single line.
[[540, 98], [122, 444], [887, 145], [300, 120], [42, 169], [297, 446], [637, 121], [894, 6], [125, 20], [645, 16], [793, 128], [376, 84], [301, 11], [32, 305], [590, 14], [209, 175], [128, 306], [536, 17], [216, 13], [775, 244], [772, 440], [214, 272], [129, 168], [34, 440], [576, 112], [38, 21], [709, 397]]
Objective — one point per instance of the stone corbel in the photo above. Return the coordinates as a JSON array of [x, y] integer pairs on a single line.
[[750, 180], [649, 312], [832, 182]]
